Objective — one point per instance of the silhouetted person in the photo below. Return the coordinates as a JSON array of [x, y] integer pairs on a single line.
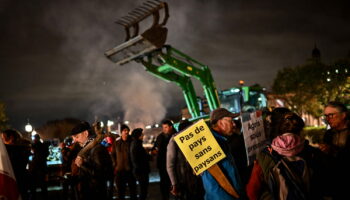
[[160, 147], [18, 151], [38, 167], [69, 152], [140, 161], [237, 149]]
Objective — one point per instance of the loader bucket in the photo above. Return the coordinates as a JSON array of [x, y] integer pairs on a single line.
[[137, 45]]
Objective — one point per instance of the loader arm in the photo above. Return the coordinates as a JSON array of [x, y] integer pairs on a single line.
[[162, 60], [184, 82], [186, 65]]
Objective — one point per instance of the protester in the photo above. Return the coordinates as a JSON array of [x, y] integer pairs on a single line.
[[337, 145], [38, 167], [336, 139], [272, 120], [95, 165], [123, 166], [237, 149], [287, 151], [140, 161], [160, 147], [18, 152], [8, 189], [69, 152], [107, 140], [184, 183], [222, 126]]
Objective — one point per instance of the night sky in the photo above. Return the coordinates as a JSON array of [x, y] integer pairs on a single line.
[[52, 62]]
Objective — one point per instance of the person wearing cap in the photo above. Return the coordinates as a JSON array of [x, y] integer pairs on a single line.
[[95, 165], [222, 126]]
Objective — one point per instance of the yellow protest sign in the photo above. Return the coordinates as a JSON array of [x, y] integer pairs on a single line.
[[199, 146]]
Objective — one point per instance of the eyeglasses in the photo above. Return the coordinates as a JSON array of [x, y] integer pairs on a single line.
[[330, 115]]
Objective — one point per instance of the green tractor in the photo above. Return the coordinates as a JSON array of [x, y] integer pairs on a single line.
[[172, 65]]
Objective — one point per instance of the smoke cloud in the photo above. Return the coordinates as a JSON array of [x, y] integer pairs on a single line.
[[111, 90]]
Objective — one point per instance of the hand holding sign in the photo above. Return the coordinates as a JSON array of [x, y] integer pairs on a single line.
[[202, 151], [199, 147]]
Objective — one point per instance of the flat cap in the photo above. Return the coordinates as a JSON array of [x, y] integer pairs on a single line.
[[220, 113], [82, 126]]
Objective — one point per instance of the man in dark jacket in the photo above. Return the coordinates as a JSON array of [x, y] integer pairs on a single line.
[[140, 161], [38, 167], [123, 165], [95, 165], [337, 146], [160, 147]]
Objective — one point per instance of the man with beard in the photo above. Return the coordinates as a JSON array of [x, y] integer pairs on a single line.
[[95, 167], [222, 127]]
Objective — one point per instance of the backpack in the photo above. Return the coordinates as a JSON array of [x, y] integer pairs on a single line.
[[289, 178]]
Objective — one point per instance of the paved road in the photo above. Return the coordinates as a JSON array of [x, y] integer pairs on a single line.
[[55, 193]]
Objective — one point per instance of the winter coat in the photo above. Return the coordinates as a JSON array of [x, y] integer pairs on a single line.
[[94, 172], [257, 187], [161, 145], [123, 160], [139, 157], [213, 191]]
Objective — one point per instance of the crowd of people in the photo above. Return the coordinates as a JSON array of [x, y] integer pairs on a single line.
[[28, 162], [97, 165]]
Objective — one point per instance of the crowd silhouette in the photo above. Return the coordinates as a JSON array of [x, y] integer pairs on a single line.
[[99, 165]]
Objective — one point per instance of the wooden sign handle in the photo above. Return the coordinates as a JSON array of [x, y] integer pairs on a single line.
[[219, 176]]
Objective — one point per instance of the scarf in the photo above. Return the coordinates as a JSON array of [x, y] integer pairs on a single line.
[[288, 144]]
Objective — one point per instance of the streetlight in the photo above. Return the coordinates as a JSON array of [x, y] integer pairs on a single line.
[[28, 128]]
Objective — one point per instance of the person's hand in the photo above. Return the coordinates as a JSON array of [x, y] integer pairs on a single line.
[[324, 147], [62, 145], [154, 152], [174, 191], [79, 161]]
